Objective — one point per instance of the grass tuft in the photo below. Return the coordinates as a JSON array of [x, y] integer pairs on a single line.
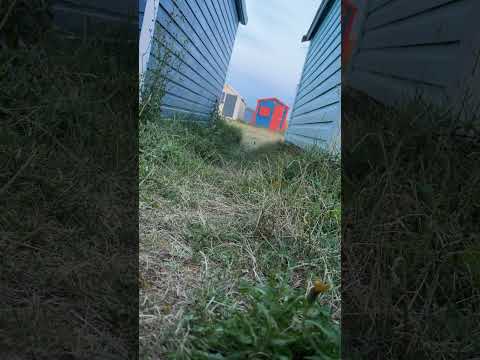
[[276, 321]]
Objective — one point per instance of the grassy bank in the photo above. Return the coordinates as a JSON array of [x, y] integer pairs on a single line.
[[411, 246], [232, 238]]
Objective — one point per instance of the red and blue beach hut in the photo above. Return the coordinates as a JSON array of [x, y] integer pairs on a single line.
[[271, 113]]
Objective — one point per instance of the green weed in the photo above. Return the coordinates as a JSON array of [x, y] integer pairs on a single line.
[[276, 322]]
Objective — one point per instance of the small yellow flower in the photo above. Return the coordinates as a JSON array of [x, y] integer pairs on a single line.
[[318, 288]]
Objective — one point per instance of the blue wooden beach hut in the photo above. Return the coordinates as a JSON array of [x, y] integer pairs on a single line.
[[198, 37], [316, 117], [402, 49], [248, 115]]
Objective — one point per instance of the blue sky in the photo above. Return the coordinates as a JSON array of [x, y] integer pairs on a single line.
[[268, 56]]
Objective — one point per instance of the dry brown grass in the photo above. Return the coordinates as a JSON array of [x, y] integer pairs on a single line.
[[254, 137]]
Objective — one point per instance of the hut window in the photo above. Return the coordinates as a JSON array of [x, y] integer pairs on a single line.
[[264, 111]]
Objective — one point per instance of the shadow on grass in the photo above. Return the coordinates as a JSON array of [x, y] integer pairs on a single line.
[[411, 220], [68, 201]]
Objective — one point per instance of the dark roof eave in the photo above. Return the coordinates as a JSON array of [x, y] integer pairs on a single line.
[[242, 11], [274, 99], [316, 21]]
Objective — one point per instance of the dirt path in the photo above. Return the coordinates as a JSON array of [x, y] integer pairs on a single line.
[[254, 137]]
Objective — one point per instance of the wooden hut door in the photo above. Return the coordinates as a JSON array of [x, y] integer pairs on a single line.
[[277, 117]]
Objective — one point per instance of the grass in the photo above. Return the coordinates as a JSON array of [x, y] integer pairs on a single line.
[[68, 201], [277, 322], [411, 225], [232, 238], [254, 137]]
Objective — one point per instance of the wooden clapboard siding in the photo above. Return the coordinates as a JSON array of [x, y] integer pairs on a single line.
[[87, 16], [147, 13], [409, 48], [315, 119], [326, 36], [141, 13], [201, 34]]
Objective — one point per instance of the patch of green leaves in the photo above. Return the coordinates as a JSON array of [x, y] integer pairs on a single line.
[[276, 323]]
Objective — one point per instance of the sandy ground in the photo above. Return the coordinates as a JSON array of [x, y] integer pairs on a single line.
[[255, 137]]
